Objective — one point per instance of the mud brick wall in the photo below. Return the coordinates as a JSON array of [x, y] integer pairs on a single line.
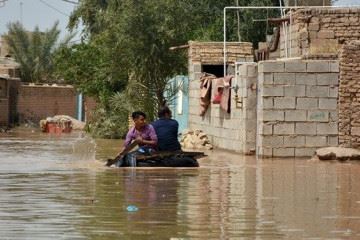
[[38, 102], [321, 32], [349, 95], [297, 107], [212, 52]]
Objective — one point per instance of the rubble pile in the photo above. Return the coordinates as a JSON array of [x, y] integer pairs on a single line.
[[195, 139]]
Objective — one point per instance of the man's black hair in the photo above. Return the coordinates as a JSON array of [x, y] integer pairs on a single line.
[[137, 114], [163, 111]]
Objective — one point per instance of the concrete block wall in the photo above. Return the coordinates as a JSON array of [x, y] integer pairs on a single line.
[[235, 131], [246, 79], [297, 107], [349, 95]]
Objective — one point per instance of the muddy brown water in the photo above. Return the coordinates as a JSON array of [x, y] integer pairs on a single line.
[[51, 187]]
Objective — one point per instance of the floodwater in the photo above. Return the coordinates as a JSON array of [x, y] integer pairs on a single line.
[[51, 187]]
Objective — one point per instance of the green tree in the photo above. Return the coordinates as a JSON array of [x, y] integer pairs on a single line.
[[131, 40], [34, 51]]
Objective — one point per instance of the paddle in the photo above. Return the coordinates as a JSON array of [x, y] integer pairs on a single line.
[[121, 154]]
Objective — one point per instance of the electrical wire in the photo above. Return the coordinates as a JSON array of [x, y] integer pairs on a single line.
[[54, 8], [72, 2]]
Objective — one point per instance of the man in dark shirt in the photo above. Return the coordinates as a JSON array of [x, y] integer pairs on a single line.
[[167, 131]]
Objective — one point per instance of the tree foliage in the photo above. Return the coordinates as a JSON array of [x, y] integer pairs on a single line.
[[34, 51], [127, 44]]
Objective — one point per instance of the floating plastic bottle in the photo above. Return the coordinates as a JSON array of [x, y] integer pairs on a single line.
[[132, 208]]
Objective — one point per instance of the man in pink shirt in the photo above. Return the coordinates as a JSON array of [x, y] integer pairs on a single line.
[[143, 135]]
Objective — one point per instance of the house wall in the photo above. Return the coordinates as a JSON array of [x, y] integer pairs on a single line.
[[349, 95], [319, 33], [36, 102], [297, 107], [8, 100], [224, 130]]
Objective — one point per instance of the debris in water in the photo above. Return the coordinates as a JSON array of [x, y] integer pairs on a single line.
[[132, 208]]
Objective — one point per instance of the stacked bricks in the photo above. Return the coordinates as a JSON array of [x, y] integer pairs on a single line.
[[297, 107], [212, 53], [246, 79], [321, 32], [224, 130], [349, 96]]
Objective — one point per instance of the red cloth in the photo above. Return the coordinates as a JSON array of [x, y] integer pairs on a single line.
[[225, 103], [218, 87], [205, 92]]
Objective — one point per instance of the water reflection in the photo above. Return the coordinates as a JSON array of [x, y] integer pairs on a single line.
[[52, 187]]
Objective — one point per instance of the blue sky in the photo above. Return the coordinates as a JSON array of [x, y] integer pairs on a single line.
[[36, 12]]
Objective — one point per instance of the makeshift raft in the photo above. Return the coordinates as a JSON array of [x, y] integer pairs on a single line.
[[163, 159]]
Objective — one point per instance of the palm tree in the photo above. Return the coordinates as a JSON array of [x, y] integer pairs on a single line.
[[34, 50]]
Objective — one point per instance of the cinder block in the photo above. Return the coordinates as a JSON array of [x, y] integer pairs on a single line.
[[268, 78], [268, 66], [273, 115], [252, 70], [333, 141], [294, 91], [305, 152], [268, 103], [284, 128], [317, 91], [318, 116], [328, 79], [265, 152], [273, 91], [197, 76], [294, 141], [305, 128], [295, 115], [333, 92], [283, 152], [316, 141], [306, 103], [266, 129], [328, 103], [284, 103], [197, 68], [334, 116], [284, 78], [270, 141], [295, 66], [334, 66], [318, 66], [305, 79], [327, 128]]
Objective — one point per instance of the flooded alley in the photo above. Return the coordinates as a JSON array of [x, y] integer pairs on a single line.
[[51, 186]]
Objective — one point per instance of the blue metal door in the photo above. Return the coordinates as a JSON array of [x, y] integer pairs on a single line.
[[178, 100]]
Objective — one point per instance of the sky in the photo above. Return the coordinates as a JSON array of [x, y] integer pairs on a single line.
[[31, 13], [44, 13]]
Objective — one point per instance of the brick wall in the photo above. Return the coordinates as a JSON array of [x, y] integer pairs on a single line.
[[8, 99], [39, 102], [297, 107], [320, 31], [349, 96]]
